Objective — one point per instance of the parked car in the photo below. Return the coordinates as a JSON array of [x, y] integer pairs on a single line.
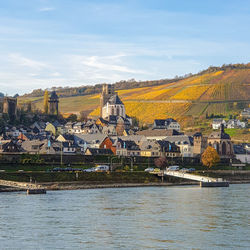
[[102, 168], [88, 170], [192, 169], [184, 170], [173, 168], [149, 169]]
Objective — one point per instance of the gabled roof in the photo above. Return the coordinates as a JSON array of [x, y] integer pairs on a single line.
[[91, 138], [69, 137], [129, 145], [115, 100], [167, 146]]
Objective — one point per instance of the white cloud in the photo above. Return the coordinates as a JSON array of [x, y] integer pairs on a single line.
[[46, 9], [20, 60]]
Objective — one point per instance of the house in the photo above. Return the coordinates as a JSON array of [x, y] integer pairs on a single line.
[[108, 144], [127, 148], [66, 138], [12, 147], [241, 153], [166, 124], [91, 129], [109, 130], [89, 140], [216, 124], [150, 148], [169, 149], [234, 123], [69, 127], [50, 147], [245, 113], [98, 151], [32, 147], [77, 128], [184, 142], [158, 134], [69, 148]]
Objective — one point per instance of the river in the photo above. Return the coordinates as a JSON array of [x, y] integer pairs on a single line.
[[186, 217]]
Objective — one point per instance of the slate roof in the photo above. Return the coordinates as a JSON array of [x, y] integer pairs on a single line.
[[167, 146], [115, 100], [165, 122], [239, 149], [100, 151], [180, 139], [91, 138], [219, 134], [53, 95], [129, 145], [158, 132]]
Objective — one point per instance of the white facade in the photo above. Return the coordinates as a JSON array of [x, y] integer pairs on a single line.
[[113, 109], [174, 125]]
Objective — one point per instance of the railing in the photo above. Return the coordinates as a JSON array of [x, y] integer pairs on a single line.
[[191, 176]]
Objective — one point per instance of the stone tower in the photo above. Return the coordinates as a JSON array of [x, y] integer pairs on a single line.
[[53, 104], [200, 144], [107, 91], [8, 105]]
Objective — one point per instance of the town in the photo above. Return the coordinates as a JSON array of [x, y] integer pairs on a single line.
[[113, 133]]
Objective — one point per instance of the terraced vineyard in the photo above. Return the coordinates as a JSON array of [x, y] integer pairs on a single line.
[[220, 92]]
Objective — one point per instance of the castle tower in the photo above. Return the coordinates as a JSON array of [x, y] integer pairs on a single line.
[[200, 144], [53, 104], [8, 105], [107, 92]]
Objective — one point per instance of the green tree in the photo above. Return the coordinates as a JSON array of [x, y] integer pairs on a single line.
[[210, 157], [46, 102]]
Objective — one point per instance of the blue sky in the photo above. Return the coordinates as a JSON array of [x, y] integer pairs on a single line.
[[45, 43]]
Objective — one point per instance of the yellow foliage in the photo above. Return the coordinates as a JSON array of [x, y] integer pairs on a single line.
[[210, 157], [191, 93], [149, 111]]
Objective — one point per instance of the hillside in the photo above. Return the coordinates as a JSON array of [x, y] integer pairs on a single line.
[[217, 90]]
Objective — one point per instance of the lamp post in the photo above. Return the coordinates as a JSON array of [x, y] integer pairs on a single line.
[[61, 153]]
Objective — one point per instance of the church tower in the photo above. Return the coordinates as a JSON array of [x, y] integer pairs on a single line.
[[53, 104], [107, 92]]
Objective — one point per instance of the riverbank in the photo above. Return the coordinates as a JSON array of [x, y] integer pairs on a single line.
[[76, 186], [72, 181]]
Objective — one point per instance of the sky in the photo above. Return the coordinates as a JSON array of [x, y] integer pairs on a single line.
[[47, 43]]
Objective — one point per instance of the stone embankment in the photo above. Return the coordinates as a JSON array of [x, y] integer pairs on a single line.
[[19, 185]]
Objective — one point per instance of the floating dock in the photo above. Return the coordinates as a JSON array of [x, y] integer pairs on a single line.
[[215, 184], [36, 191]]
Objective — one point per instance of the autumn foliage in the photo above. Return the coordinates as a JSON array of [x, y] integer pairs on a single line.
[[161, 162], [46, 102], [210, 157]]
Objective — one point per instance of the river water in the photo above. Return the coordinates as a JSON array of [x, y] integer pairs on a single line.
[[186, 217]]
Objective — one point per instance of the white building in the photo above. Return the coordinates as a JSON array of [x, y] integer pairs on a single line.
[[217, 123], [114, 107]]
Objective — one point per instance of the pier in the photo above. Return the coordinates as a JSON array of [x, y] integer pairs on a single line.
[[204, 180], [31, 188]]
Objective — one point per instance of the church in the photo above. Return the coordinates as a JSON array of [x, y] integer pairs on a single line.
[[112, 108]]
